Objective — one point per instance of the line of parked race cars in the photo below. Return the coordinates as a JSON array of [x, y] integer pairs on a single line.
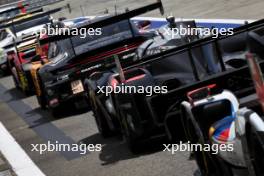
[[210, 81]]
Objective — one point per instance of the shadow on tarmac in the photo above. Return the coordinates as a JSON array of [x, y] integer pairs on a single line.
[[115, 149]]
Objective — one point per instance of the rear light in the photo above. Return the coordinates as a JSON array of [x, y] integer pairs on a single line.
[[53, 102], [200, 93], [114, 82], [138, 77]]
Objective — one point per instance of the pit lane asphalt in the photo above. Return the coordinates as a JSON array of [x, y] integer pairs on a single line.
[[29, 124]]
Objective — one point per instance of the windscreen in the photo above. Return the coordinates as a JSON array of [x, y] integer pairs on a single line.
[[109, 34], [9, 14], [30, 24]]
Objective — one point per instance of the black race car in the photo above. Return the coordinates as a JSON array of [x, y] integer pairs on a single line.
[[142, 116], [168, 37], [74, 58]]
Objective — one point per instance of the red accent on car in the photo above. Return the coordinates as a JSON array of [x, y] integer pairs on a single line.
[[53, 101], [136, 78], [105, 54], [114, 82], [199, 90]]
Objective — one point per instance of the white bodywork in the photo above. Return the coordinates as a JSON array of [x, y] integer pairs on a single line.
[[237, 129], [11, 37]]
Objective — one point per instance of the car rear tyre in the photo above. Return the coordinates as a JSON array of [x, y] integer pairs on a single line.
[[256, 150], [15, 78], [42, 101], [132, 142], [100, 120], [101, 123], [208, 163]]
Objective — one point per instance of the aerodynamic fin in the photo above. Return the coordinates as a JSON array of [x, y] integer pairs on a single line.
[[36, 16], [14, 9], [257, 77], [21, 15]]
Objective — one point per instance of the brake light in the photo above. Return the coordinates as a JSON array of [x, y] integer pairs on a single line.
[[114, 82], [200, 93], [136, 78], [53, 102]]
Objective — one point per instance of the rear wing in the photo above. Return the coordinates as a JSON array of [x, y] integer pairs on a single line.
[[12, 4], [21, 15], [200, 42], [36, 16], [14, 9], [109, 20], [34, 4], [237, 80]]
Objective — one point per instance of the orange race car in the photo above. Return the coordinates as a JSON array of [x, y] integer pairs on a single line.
[[27, 57]]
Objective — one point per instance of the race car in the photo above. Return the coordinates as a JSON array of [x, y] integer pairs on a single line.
[[142, 116], [22, 61], [76, 58], [7, 36], [216, 118], [22, 51], [44, 53], [168, 37], [19, 26]]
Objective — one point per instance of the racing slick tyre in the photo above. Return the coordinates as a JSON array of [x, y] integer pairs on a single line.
[[14, 76], [42, 101], [208, 163], [255, 141], [133, 142], [56, 112], [101, 123], [100, 120]]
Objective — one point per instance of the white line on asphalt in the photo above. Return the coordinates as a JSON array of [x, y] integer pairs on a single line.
[[20, 162]]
